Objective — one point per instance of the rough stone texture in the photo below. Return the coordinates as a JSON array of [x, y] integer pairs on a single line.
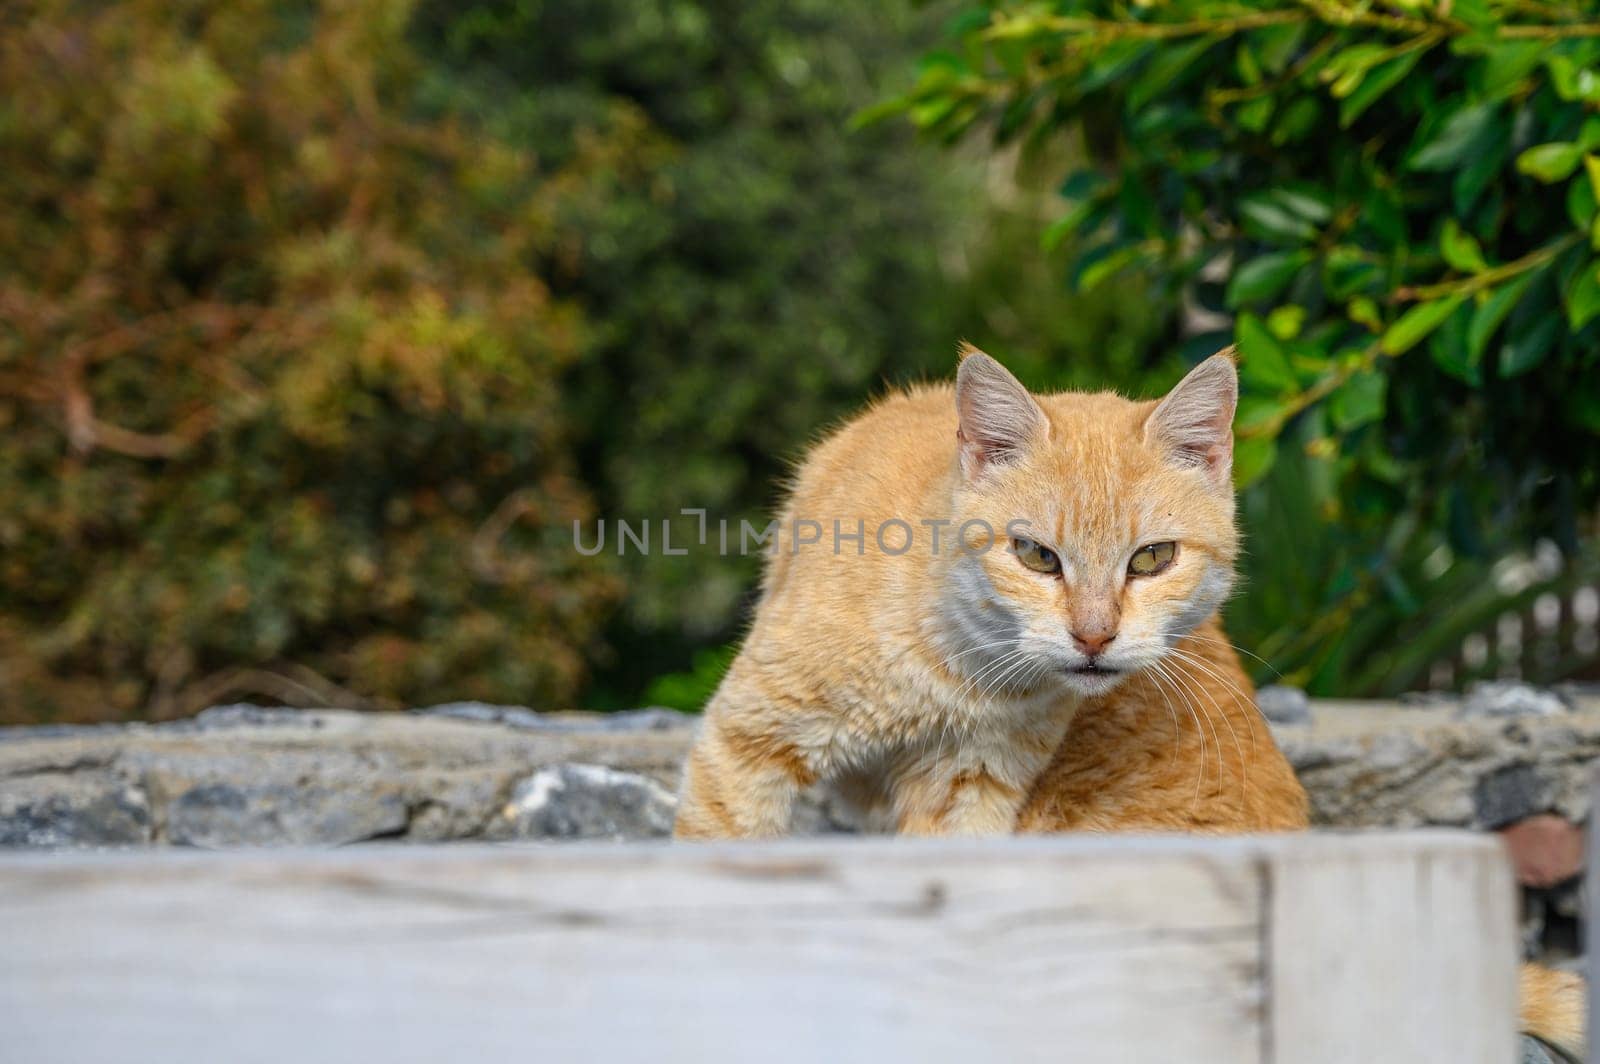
[[1508, 698], [586, 802], [1385, 764], [1284, 705], [242, 775], [213, 815], [248, 776], [66, 811]]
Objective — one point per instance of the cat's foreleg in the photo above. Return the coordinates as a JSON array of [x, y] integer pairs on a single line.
[[742, 778]]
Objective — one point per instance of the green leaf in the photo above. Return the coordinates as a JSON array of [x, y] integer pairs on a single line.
[[1591, 166], [1460, 249], [1275, 222], [1451, 144], [1482, 169], [1252, 459], [1353, 62], [1581, 203], [1490, 313], [1115, 262], [877, 112], [1359, 400], [1583, 297], [1549, 163], [1263, 363], [1305, 201], [1508, 63], [1449, 341], [1589, 135], [1264, 276], [1164, 72], [1572, 81], [1526, 348], [1414, 325], [1377, 82], [1448, 347], [1363, 311], [1285, 322], [1253, 115], [1279, 45], [1246, 63], [1067, 224]]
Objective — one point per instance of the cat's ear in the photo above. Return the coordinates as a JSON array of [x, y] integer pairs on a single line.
[[998, 418], [1194, 423]]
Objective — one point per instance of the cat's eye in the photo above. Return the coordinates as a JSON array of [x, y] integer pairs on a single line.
[[1152, 558], [1039, 559]]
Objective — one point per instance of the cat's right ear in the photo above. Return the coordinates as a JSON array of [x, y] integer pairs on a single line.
[[1194, 423], [998, 418]]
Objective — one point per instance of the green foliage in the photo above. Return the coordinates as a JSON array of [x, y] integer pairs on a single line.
[[752, 267], [277, 387], [1396, 207]]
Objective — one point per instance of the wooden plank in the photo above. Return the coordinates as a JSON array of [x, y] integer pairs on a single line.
[[860, 950], [1401, 948], [1591, 892]]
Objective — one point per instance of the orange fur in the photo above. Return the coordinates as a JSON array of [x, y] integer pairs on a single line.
[[1183, 749], [949, 685], [928, 657]]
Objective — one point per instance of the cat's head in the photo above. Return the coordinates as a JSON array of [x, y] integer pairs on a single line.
[[1113, 519]]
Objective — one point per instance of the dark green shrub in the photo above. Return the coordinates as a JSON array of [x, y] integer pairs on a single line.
[[1392, 210]]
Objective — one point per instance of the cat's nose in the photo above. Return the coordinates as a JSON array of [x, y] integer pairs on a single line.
[[1094, 641]]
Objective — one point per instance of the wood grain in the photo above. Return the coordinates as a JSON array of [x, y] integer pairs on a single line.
[[1066, 949]]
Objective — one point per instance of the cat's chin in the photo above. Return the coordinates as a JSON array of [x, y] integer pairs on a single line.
[[1090, 682]]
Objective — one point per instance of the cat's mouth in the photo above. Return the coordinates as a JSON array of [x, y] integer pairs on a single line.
[[1093, 669]]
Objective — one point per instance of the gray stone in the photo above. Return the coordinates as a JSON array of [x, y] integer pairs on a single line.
[[243, 715], [653, 718], [1533, 1051], [1508, 698], [216, 815], [280, 774], [1284, 705], [1510, 794], [59, 811], [587, 802]]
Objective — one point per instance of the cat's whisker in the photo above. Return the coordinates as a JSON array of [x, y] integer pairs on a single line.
[[1244, 764], [952, 659], [1236, 648], [1159, 667], [1194, 688], [1004, 659], [1176, 726], [1244, 701], [1020, 660]]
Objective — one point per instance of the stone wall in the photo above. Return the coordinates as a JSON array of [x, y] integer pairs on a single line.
[[1508, 759]]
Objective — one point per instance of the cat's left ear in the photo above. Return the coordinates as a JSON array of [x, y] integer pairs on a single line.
[[999, 420], [1194, 423]]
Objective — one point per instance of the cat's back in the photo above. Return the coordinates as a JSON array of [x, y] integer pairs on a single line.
[[863, 487], [888, 455]]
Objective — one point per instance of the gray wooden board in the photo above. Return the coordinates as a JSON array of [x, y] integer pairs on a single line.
[[1591, 891], [1063, 949]]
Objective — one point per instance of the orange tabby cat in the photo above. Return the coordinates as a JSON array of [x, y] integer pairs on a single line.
[[1016, 555], [994, 611]]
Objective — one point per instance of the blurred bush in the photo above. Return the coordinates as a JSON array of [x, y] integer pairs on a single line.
[[751, 268], [1392, 212], [278, 387]]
